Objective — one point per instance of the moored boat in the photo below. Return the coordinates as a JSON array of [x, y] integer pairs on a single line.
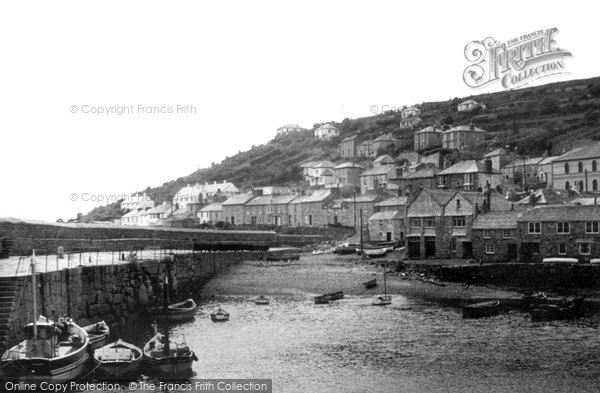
[[51, 352], [98, 334], [482, 309], [261, 300], [346, 248], [322, 299], [553, 312], [370, 284], [119, 358], [182, 311], [335, 295], [167, 358], [219, 315]]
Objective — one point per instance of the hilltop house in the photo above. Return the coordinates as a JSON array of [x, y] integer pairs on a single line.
[[411, 111], [499, 157], [322, 173], [347, 174], [348, 146], [327, 131], [427, 138], [410, 122], [289, 128], [469, 105], [385, 159], [469, 175], [365, 149], [578, 169], [382, 142], [462, 137]]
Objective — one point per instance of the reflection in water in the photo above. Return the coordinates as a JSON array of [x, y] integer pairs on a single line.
[[412, 346]]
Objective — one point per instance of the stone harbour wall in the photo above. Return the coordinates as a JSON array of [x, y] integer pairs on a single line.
[[117, 294]]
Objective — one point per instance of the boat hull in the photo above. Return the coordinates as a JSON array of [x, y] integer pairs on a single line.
[[97, 340], [482, 310], [176, 366], [38, 370], [382, 301], [370, 284], [119, 359]]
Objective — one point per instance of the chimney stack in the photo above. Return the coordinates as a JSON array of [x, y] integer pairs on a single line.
[[531, 198]]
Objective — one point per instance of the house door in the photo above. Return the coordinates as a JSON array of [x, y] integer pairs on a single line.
[[388, 236], [511, 252], [528, 250], [467, 250], [414, 247], [429, 246]]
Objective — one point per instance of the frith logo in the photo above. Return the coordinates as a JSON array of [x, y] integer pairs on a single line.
[[514, 63]]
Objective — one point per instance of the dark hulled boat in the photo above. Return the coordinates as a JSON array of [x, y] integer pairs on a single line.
[[482, 310]]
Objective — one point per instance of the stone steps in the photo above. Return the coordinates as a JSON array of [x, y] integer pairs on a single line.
[[9, 290]]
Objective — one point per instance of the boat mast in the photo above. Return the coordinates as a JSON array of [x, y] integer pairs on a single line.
[[33, 284], [362, 247], [384, 280]]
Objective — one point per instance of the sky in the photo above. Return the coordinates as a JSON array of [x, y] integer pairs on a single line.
[[238, 70]]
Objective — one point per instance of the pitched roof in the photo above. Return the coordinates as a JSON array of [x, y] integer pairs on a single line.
[[497, 201], [429, 129], [349, 138], [378, 170], [465, 128], [546, 196], [497, 220], [324, 164], [213, 207], [497, 152], [290, 126], [561, 213], [528, 161], [207, 188], [309, 164], [469, 166], [361, 198], [388, 215], [384, 137], [271, 199], [386, 157], [591, 151], [423, 173], [163, 208], [238, 199], [317, 196], [327, 126], [441, 197], [394, 201], [348, 165], [468, 102]]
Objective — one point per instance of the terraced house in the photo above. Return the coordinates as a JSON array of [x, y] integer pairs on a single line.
[[268, 209], [567, 231], [309, 210]]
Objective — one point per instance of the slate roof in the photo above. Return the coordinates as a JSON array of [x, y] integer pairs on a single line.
[[497, 220], [587, 152], [384, 157], [213, 207], [163, 208], [469, 166], [561, 213], [496, 152], [465, 128], [441, 197], [323, 164], [498, 202], [395, 201], [423, 173], [546, 196], [379, 170], [389, 215], [429, 129], [317, 196], [349, 138], [361, 198], [238, 199], [271, 199], [348, 165]]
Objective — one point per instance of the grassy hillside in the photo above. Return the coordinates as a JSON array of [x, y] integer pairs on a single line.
[[551, 118]]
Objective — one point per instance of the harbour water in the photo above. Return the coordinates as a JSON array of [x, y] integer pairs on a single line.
[[410, 346]]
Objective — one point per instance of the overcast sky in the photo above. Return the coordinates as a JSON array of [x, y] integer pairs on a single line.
[[247, 67]]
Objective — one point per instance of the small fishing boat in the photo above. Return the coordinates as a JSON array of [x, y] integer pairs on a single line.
[[346, 248], [373, 252], [51, 352], [335, 295], [261, 300], [370, 284], [168, 358], [119, 358], [219, 315], [322, 299], [98, 334], [182, 311], [566, 309], [384, 299], [482, 309]]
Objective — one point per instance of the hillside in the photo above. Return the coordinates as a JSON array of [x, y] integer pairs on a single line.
[[548, 119]]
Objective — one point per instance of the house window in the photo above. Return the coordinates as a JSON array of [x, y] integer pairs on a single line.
[[310, 219], [459, 222], [535, 227], [580, 167], [458, 204], [566, 167], [506, 234], [489, 248], [595, 185], [429, 222], [567, 186], [594, 166], [591, 227], [269, 208], [487, 234], [415, 223], [563, 227], [452, 244], [585, 248], [562, 249]]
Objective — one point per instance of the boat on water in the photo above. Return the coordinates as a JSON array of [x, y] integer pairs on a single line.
[[168, 358], [219, 315], [51, 352], [482, 309], [370, 284], [322, 299], [182, 311], [119, 358], [261, 300], [383, 300], [335, 295], [98, 334], [555, 312]]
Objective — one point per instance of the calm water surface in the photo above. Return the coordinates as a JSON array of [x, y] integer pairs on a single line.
[[410, 346]]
